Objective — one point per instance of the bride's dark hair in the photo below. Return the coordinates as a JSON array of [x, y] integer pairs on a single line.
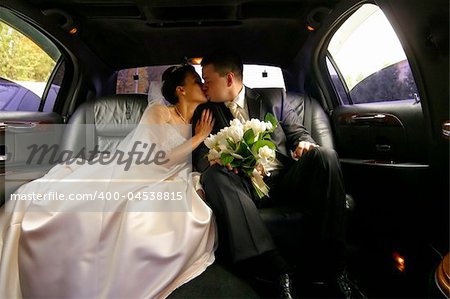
[[172, 77]]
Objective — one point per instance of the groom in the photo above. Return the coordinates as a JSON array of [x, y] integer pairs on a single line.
[[310, 172]]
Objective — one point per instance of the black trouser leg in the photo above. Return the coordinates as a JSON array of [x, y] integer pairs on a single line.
[[316, 184], [242, 233]]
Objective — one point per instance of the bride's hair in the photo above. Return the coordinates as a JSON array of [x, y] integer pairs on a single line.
[[171, 78]]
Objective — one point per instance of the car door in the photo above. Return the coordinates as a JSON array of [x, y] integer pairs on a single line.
[[380, 106], [31, 74]]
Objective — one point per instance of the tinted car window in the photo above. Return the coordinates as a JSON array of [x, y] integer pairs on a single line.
[[28, 60], [392, 83], [14, 97], [369, 61]]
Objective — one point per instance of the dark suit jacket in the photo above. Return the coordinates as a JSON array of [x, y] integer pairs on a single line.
[[286, 136]]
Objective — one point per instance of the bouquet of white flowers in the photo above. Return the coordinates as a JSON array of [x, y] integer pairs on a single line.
[[246, 147]]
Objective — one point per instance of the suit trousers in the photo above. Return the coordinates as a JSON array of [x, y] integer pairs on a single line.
[[315, 187]]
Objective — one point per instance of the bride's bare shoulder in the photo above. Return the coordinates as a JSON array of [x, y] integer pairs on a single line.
[[157, 113]]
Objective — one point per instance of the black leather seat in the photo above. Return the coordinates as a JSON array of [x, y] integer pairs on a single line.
[[314, 118], [101, 124]]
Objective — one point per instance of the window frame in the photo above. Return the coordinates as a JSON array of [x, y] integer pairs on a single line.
[[341, 81], [320, 67], [61, 61]]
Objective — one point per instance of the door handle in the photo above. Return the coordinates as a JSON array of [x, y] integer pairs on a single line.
[[446, 129], [375, 117], [17, 127]]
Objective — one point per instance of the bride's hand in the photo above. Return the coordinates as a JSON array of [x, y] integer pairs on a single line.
[[205, 124]]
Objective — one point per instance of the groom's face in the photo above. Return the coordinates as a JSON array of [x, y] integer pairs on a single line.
[[215, 86]]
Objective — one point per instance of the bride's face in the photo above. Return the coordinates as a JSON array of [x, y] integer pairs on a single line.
[[193, 88]]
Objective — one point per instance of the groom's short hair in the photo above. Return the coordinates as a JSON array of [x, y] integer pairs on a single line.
[[225, 61]]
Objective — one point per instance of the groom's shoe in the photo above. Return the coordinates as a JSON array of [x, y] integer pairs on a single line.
[[346, 288], [286, 287]]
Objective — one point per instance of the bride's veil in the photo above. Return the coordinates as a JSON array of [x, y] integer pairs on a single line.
[[162, 137], [143, 146], [155, 97]]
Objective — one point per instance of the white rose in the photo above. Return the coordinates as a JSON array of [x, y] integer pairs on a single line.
[[211, 141], [235, 123], [236, 133], [265, 159], [265, 153], [221, 138], [255, 125]]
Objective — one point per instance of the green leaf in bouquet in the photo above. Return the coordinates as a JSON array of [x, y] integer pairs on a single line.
[[266, 136], [226, 158], [249, 161], [236, 163], [244, 150], [241, 148], [272, 119], [249, 137], [231, 144], [247, 170]]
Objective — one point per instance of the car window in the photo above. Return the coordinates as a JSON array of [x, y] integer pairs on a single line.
[[148, 79], [28, 60], [366, 61], [259, 76]]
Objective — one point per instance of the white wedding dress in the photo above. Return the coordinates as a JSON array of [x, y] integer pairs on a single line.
[[107, 248]]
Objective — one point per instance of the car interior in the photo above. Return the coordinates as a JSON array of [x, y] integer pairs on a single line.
[[367, 78]]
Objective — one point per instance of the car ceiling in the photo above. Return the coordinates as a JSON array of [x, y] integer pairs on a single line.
[[137, 33]]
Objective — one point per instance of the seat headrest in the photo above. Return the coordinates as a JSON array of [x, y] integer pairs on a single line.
[[113, 118], [120, 109], [115, 113], [112, 109]]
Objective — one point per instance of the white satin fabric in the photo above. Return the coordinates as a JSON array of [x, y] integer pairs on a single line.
[[45, 253]]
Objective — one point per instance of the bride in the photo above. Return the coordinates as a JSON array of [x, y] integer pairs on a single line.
[[151, 236]]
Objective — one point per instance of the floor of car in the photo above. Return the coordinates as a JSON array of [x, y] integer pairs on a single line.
[[219, 282], [215, 282]]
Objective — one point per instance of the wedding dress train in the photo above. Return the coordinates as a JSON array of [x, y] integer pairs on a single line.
[[117, 248]]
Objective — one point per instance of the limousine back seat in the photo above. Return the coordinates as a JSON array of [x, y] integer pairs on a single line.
[[285, 225]]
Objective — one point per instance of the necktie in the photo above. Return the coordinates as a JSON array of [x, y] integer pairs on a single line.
[[236, 111]]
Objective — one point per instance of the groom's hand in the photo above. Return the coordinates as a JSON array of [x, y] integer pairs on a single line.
[[303, 147], [228, 166]]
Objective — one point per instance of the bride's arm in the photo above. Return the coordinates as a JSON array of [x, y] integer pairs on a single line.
[[202, 130]]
